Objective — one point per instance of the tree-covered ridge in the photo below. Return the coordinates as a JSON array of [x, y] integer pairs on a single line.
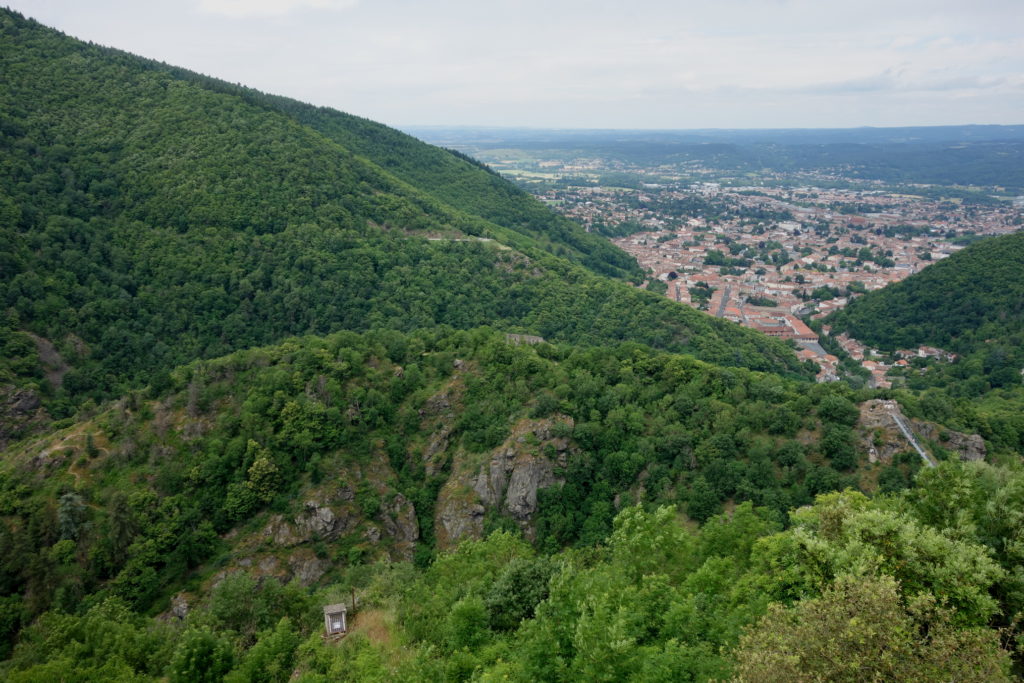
[[455, 182], [134, 500], [445, 175], [956, 304], [971, 303], [149, 217]]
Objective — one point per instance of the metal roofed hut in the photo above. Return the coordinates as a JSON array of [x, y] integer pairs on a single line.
[[334, 620]]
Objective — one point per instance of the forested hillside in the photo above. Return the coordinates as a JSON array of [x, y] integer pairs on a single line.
[[685, 430], [959, 303], [257, 357], [972, 304], [305, 460], [149, 216]]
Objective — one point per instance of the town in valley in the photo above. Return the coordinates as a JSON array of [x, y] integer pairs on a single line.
[[772, 252]]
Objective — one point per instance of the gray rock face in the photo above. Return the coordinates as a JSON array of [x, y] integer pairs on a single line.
[[512, 477], [281, 532], [302, 565], [307, 570], [971, 447], [882, 438], [400, 519], [433, 454], [508, 481], [529, 473], [438, 412], [492, 481], [317, 520], [459, 519], [21, 413], [179, 606]]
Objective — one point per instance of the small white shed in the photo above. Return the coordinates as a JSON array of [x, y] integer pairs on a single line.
[[334, 619]]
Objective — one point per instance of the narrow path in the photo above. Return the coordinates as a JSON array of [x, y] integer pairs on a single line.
[[905, 428]]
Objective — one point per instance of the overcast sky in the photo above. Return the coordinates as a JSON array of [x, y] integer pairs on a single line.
[[591, 63]]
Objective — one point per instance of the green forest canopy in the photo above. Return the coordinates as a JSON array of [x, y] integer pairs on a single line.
[[149, 216]]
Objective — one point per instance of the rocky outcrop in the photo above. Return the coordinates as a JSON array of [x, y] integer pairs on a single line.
[[511, 479], [458, 516], [316, 521], [307, 568], [507, 481], [438, 417], [436, 449], [21, 413], [970, 447], [179, 606], [529, 473], [398, 517], [301, 564], [882, 439]]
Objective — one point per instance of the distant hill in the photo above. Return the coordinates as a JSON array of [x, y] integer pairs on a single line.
[[150, 216], [971, 303], [943, 155], [770, 136]]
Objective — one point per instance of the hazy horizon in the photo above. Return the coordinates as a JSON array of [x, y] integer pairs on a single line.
[[472, 126]]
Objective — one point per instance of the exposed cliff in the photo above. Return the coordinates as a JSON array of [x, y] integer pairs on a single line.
[[505, 481], [881, 438], [21, 414]]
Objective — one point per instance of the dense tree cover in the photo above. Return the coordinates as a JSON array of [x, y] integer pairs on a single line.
[[446, 175], [872, 637], [897, 588], [854, 590], [956, 304], [19, 359], [149, 216], [971, 303], [133, 499], [455, 180]]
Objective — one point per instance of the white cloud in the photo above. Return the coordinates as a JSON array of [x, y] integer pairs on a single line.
[[268, 8]]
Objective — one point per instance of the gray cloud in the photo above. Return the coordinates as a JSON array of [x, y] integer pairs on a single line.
[[600, 63], [268, 8], [888, 82]]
